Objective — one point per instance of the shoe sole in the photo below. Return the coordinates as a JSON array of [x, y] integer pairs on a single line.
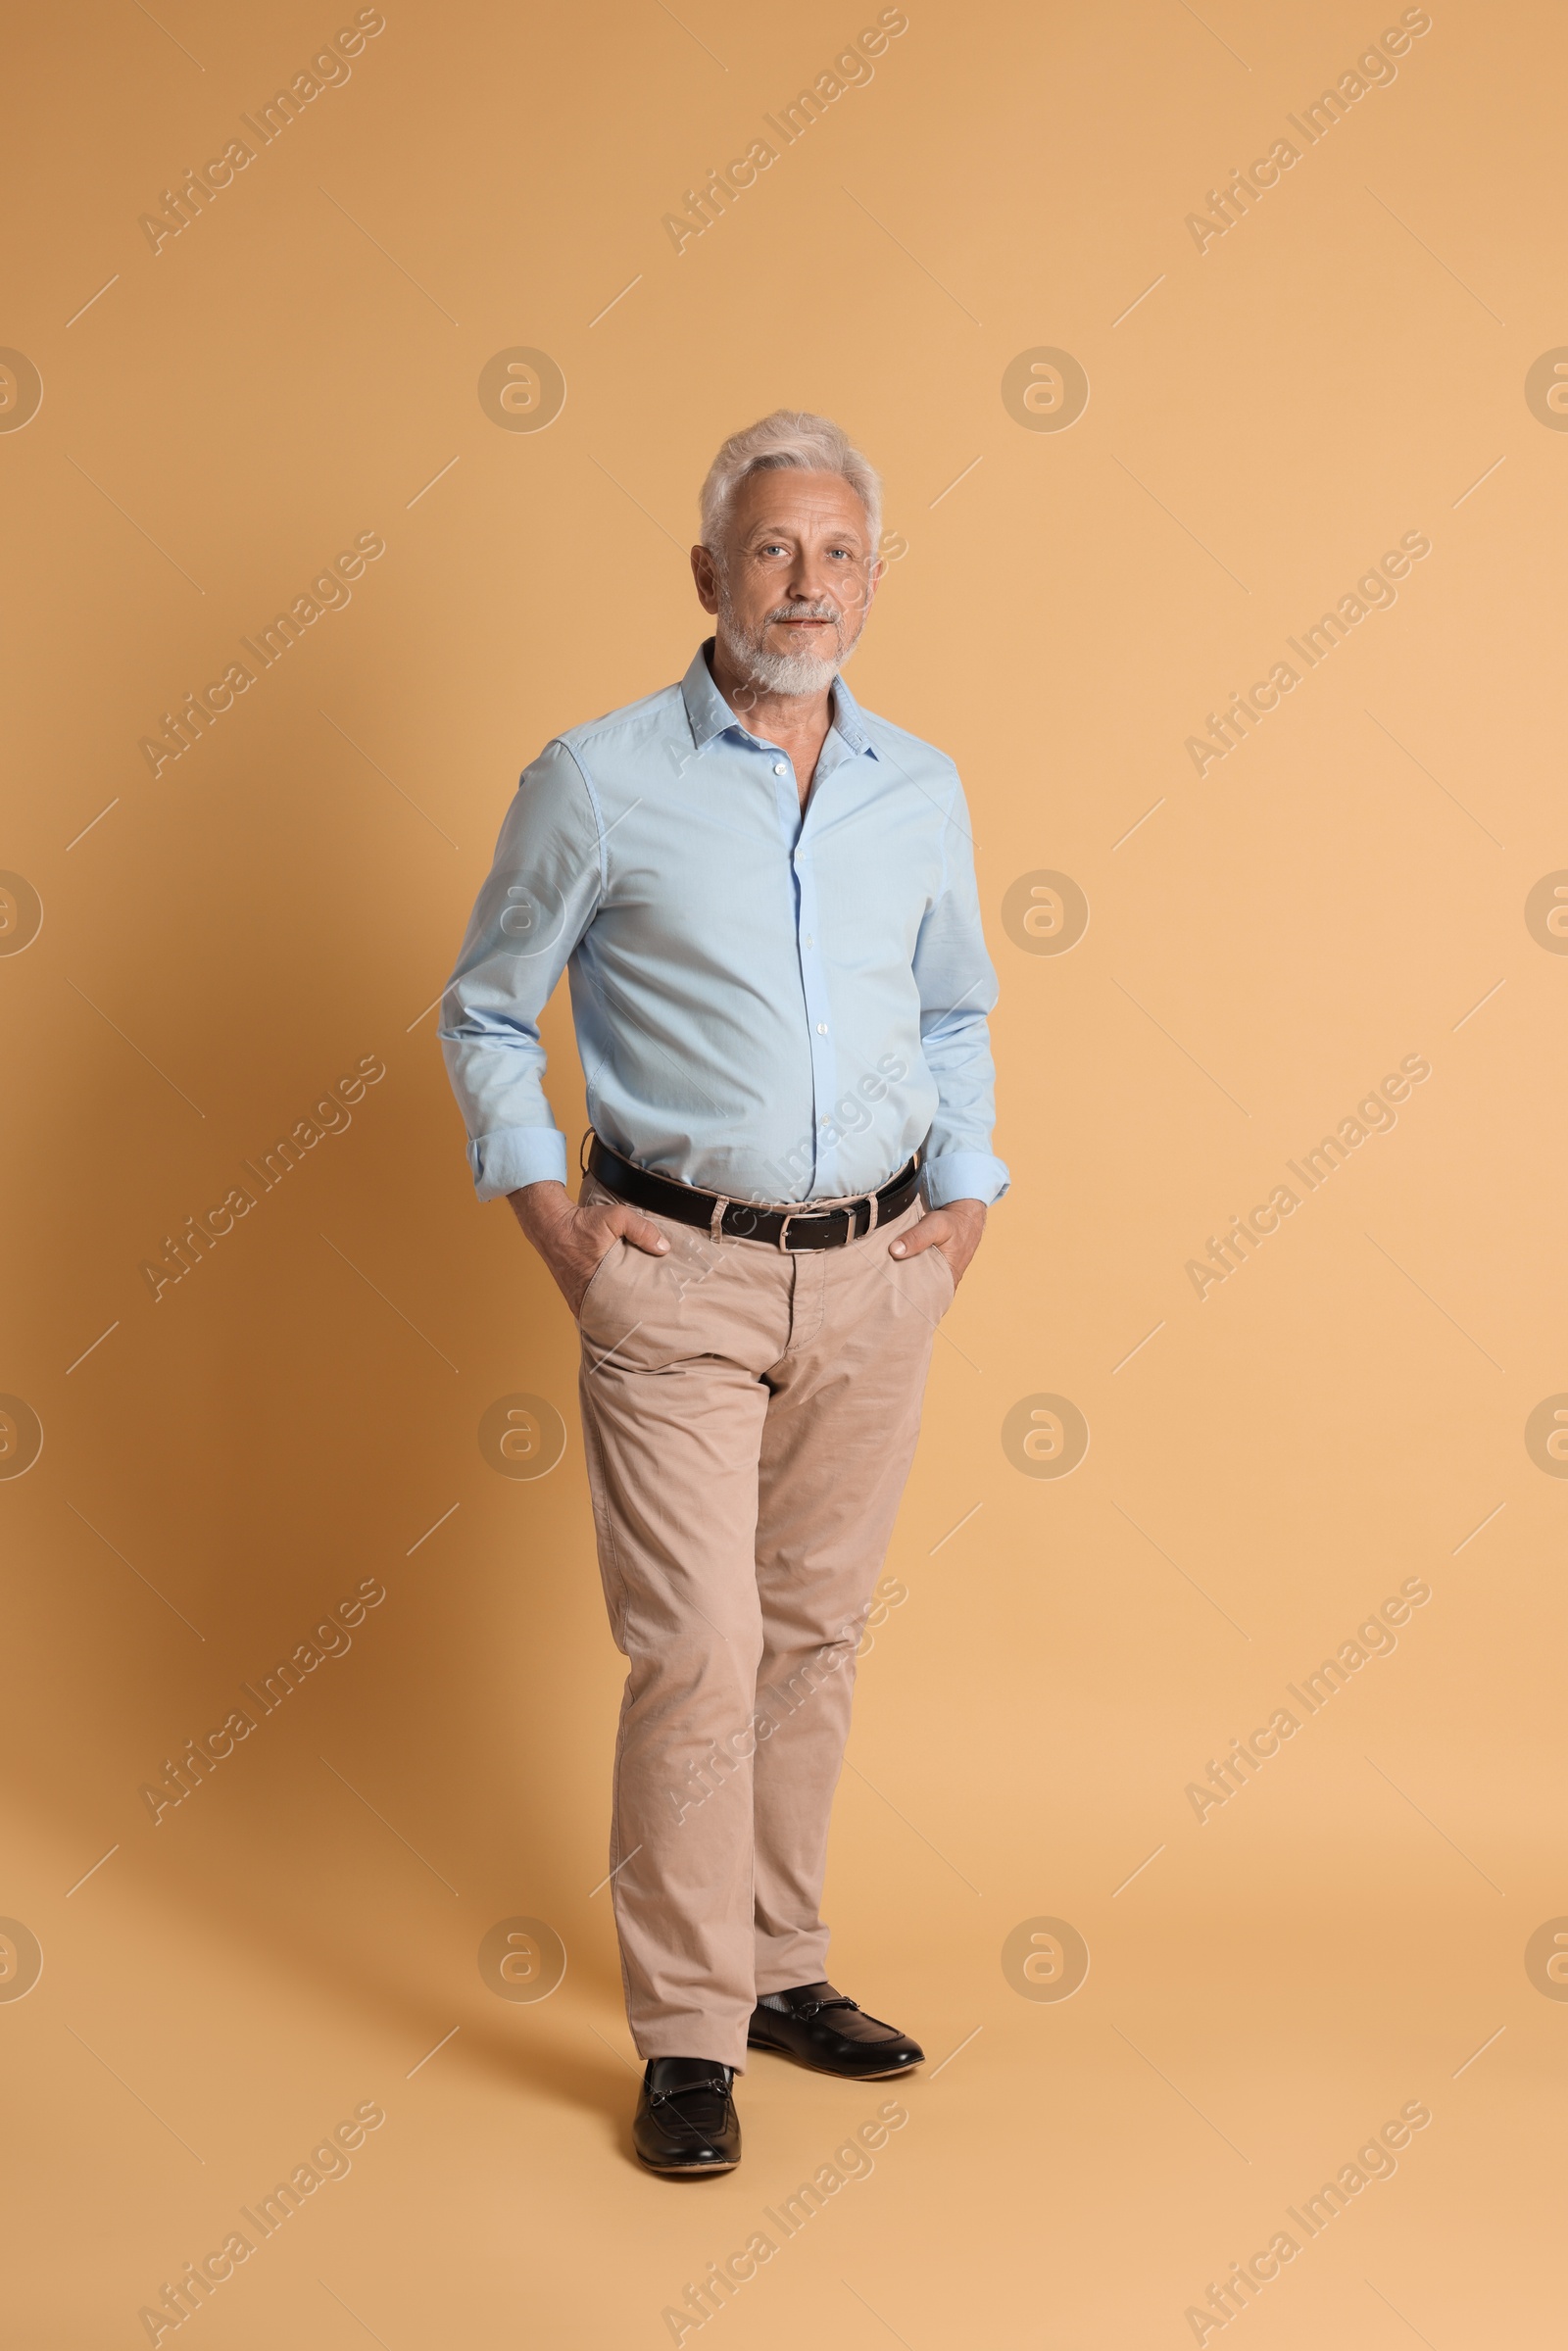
[[689, 2171], [835, 2072]]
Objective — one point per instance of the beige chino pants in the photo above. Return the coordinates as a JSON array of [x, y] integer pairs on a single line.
[[749, 1419]]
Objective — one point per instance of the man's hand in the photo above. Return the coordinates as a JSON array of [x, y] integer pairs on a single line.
[[956, 1230], [573, 1242]]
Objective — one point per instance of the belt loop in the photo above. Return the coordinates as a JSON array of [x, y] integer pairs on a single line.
[[871, 1202], [716, 1224], [588, 1135]]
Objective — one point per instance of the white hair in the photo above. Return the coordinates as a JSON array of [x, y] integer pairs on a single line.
[[789, 437]]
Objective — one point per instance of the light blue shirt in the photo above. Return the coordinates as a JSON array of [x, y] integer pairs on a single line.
[[770, 1005]]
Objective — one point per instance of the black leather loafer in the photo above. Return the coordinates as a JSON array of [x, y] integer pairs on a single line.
[[685, 2122], [820, 2028]]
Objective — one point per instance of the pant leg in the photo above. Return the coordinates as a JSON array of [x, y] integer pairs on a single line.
[[674, 1407], [836, 1450]]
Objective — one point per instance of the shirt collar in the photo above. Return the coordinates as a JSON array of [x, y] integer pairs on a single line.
[[709, 713], [850, 719]]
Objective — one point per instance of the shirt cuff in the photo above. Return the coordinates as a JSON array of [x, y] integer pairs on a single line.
[[506, 1161], [965, 1175]]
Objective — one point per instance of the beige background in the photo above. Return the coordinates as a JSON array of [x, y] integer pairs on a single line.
[[219, 945]]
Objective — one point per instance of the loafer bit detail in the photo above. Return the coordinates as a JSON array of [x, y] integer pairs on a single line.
[[686, 2122], [830, 2033]]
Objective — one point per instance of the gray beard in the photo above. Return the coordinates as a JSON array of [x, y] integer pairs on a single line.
[[785, 672], [788, 673]]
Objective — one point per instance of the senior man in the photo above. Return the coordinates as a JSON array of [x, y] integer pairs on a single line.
[[765, 899]]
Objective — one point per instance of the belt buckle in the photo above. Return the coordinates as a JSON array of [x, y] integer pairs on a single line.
[[799, 1216], [796, 1216]]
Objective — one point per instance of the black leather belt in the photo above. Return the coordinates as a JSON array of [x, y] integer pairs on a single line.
[[787, 1229]]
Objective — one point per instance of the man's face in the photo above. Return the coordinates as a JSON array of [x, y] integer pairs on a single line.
[[793, 581]]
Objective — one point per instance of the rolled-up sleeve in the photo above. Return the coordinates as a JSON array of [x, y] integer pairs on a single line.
[[540, 896], [958, 990]]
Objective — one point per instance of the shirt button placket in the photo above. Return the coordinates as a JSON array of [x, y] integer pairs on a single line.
[[816, 1004]]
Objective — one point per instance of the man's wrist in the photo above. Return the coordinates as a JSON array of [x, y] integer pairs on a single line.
[[543, 1204]]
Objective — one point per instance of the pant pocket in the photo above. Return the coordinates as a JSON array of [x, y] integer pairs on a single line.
[[603, 1271], [948, 1288]]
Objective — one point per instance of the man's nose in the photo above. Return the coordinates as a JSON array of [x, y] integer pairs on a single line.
[[810, 580]]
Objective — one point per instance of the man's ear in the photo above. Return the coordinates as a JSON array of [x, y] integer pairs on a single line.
[[704, 574], [873, 580]]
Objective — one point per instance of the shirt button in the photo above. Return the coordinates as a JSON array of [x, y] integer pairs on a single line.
[[779, 767], [808, 941], [821, 1028]]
